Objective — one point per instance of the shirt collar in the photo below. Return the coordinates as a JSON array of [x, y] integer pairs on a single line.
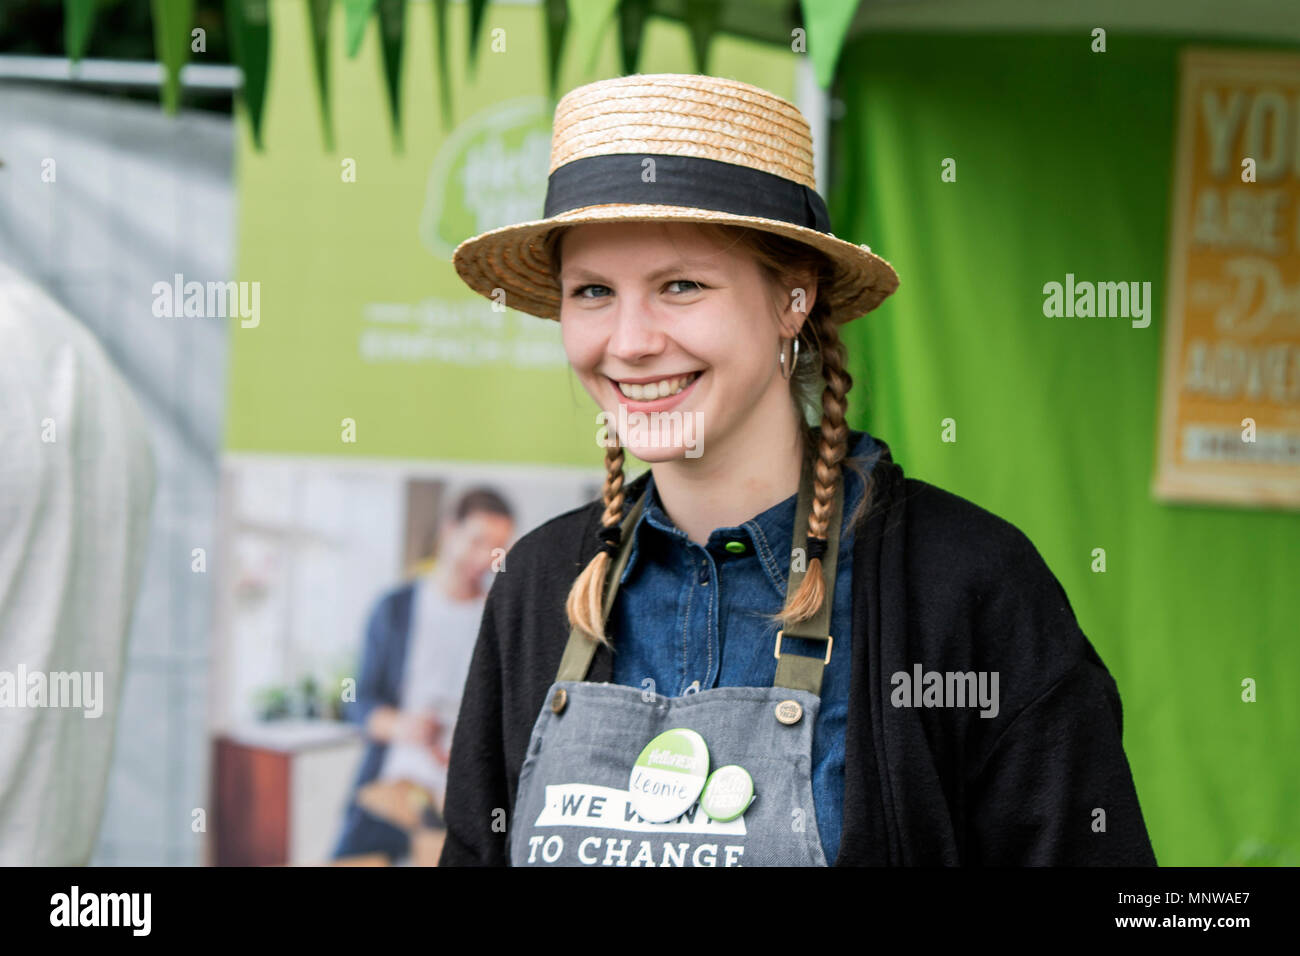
[[770, 533]]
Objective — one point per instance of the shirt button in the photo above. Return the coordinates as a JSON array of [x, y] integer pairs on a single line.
[[735, 547], [704, 573]]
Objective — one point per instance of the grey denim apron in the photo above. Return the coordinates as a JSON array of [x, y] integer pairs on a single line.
[[573, 808]]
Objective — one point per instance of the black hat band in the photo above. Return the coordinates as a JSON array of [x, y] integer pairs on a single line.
[[691, 181]]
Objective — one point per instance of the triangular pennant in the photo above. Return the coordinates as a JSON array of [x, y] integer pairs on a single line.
[[631, 24], [702, 18], [248, 23], [356, 14], [556, 13], [827, 23], [589, 21], [172, 20], [318, 17], [392, 23], [440, 58], [477, 8], [78, 22]]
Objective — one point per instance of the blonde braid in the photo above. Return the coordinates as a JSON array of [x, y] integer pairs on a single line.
[[588, 592], [831, 450]]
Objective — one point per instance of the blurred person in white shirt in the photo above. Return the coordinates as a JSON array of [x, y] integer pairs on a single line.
[[76, 488], [419, 641]]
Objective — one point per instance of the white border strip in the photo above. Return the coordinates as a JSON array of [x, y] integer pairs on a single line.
[[141, 73]]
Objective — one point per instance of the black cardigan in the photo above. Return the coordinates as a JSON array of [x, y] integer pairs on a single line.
[[938, 581]]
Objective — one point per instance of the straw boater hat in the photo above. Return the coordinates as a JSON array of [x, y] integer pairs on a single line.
[[723, 151]]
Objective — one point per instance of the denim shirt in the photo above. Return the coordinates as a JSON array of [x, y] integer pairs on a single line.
[[690, 617]]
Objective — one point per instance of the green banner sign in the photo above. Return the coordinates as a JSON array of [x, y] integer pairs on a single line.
[[363, 341]]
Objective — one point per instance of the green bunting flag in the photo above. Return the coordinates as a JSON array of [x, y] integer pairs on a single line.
[[318, 24], [702, 18], [172, 20], [477, 8], [577, 26], [356, 14], [440, 58], [249, 25], [590, 20], [631, 24], [78, 22], [392, 23], [827, 23], [557, 25]]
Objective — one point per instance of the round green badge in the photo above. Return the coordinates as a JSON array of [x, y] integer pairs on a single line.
[[728, 793], [669, 775]]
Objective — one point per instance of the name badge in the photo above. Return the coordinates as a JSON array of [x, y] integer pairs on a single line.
[[669, 775]]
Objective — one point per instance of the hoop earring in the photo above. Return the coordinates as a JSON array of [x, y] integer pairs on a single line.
[[788, 370]]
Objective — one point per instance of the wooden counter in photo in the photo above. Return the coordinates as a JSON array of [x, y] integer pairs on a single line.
[[280, 788]]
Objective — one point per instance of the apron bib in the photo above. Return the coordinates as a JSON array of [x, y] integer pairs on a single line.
[[573, 806]]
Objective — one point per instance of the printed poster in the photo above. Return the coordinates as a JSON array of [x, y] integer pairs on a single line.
[[1229, 427]]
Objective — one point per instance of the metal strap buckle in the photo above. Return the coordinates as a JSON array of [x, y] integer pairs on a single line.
[[830, 641]]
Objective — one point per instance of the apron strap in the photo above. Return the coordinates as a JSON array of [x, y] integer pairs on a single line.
[[794, 671], [581, 649]]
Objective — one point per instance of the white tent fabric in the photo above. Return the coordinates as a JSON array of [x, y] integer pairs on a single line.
[[100, 198], [76, 485]]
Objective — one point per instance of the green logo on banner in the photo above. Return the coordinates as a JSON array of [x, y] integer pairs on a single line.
[[491, 172]]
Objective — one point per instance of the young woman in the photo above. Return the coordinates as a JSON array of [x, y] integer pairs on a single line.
[[772, 648]]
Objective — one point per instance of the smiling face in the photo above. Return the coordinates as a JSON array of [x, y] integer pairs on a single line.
[[662, 317]]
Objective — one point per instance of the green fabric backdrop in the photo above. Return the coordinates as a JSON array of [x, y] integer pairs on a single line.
[[1064, 159]]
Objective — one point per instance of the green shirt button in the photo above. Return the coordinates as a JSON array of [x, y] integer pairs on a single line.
[[735, 547]]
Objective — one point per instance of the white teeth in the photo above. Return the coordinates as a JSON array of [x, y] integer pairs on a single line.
[[652, 390]]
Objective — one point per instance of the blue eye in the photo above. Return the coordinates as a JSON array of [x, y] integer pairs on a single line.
[[687, 286]]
